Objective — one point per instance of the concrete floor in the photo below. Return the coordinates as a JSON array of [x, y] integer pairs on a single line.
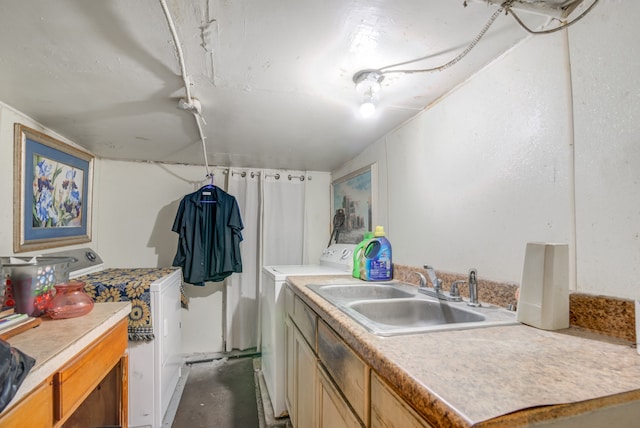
[[228, 392]]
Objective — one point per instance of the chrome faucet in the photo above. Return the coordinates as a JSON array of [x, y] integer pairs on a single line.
[[437, 283], [473, 288], [423, 280], [437, 291]]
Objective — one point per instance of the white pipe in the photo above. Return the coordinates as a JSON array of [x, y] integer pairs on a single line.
[[192, 104], [573, 244], [176, 41]]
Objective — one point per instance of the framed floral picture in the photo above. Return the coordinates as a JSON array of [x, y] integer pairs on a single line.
[[52, 192]]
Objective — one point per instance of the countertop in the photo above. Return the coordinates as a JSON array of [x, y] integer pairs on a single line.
[[495, 376], [54, 342]]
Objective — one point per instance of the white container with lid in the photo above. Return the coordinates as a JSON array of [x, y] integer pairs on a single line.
[[544, 290]]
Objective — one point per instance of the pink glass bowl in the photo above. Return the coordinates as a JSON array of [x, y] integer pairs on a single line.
[[69, 301]]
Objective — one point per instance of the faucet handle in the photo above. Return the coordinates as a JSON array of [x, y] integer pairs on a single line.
[[455, 291], [423, 280]]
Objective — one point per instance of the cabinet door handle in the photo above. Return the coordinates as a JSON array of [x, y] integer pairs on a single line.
[[57, 397]]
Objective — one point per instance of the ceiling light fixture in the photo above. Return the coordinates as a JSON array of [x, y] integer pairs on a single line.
[[368, 81], [367, 86]]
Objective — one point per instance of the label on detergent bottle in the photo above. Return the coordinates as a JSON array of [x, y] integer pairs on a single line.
[[358, 259], [378, 260]]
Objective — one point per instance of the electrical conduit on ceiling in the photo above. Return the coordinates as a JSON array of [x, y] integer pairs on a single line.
[[189, 103]]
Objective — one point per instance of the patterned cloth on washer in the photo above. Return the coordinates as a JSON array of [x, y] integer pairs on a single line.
[[118, 285]]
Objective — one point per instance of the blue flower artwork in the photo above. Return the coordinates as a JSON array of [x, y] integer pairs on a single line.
[[57, 194], [54, 189]]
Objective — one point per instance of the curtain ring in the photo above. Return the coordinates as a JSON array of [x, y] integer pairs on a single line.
[[277, 176], [243, 174]]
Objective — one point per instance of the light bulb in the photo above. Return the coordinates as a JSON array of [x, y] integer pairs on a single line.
[[367, 109], [367, 85]]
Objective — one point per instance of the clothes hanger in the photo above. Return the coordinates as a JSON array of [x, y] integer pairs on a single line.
[[207, 191]]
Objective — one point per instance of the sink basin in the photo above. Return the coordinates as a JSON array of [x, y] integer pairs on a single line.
[[413, 313], [365, 291], [390, 309]]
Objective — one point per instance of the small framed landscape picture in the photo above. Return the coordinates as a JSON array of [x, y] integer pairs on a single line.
[[353, 204]]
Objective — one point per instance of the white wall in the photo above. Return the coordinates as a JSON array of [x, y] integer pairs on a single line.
[[9, 116], [488, 168], [605, 59], [483, 171], [133, 211]]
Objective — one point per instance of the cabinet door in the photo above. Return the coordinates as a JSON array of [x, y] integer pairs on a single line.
[[75, 381], [332, 409], [305, 383], [348, 371], [390, 411], [289, 363], [37, 408]]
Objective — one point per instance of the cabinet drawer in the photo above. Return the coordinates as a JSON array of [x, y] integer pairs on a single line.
[[390, 411], [36, 408], [348, 371], [306, 320], [75, 381]]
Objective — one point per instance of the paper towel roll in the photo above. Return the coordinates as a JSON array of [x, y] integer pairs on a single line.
[[544, 290]]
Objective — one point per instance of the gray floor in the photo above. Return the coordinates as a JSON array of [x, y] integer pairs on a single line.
[[225, 393]]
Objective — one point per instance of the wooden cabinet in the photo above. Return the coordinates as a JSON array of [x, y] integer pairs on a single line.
[[300, 378], [87, 387], [305, 363], [347, 370], [74, 382], [312, 397], [289, 373], [332, 410], [390, 411], [37, 408], [333, 387]]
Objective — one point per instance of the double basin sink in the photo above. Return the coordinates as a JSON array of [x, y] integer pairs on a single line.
[[394, 308]]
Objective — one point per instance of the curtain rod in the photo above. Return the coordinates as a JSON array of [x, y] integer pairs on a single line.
[[254, 174]]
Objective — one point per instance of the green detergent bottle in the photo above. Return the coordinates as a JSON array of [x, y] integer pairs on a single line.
[[377, 257], [358, 259]]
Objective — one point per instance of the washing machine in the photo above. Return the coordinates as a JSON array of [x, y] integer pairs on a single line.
[[337, 259], [155, 366]]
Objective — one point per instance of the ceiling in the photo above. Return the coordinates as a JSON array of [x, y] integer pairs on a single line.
[[274, 77]]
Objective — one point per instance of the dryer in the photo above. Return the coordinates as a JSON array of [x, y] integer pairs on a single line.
[[337, 259]]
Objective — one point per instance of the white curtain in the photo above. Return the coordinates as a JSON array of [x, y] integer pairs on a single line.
[[242, 290], [272, 209], [283, 220]]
